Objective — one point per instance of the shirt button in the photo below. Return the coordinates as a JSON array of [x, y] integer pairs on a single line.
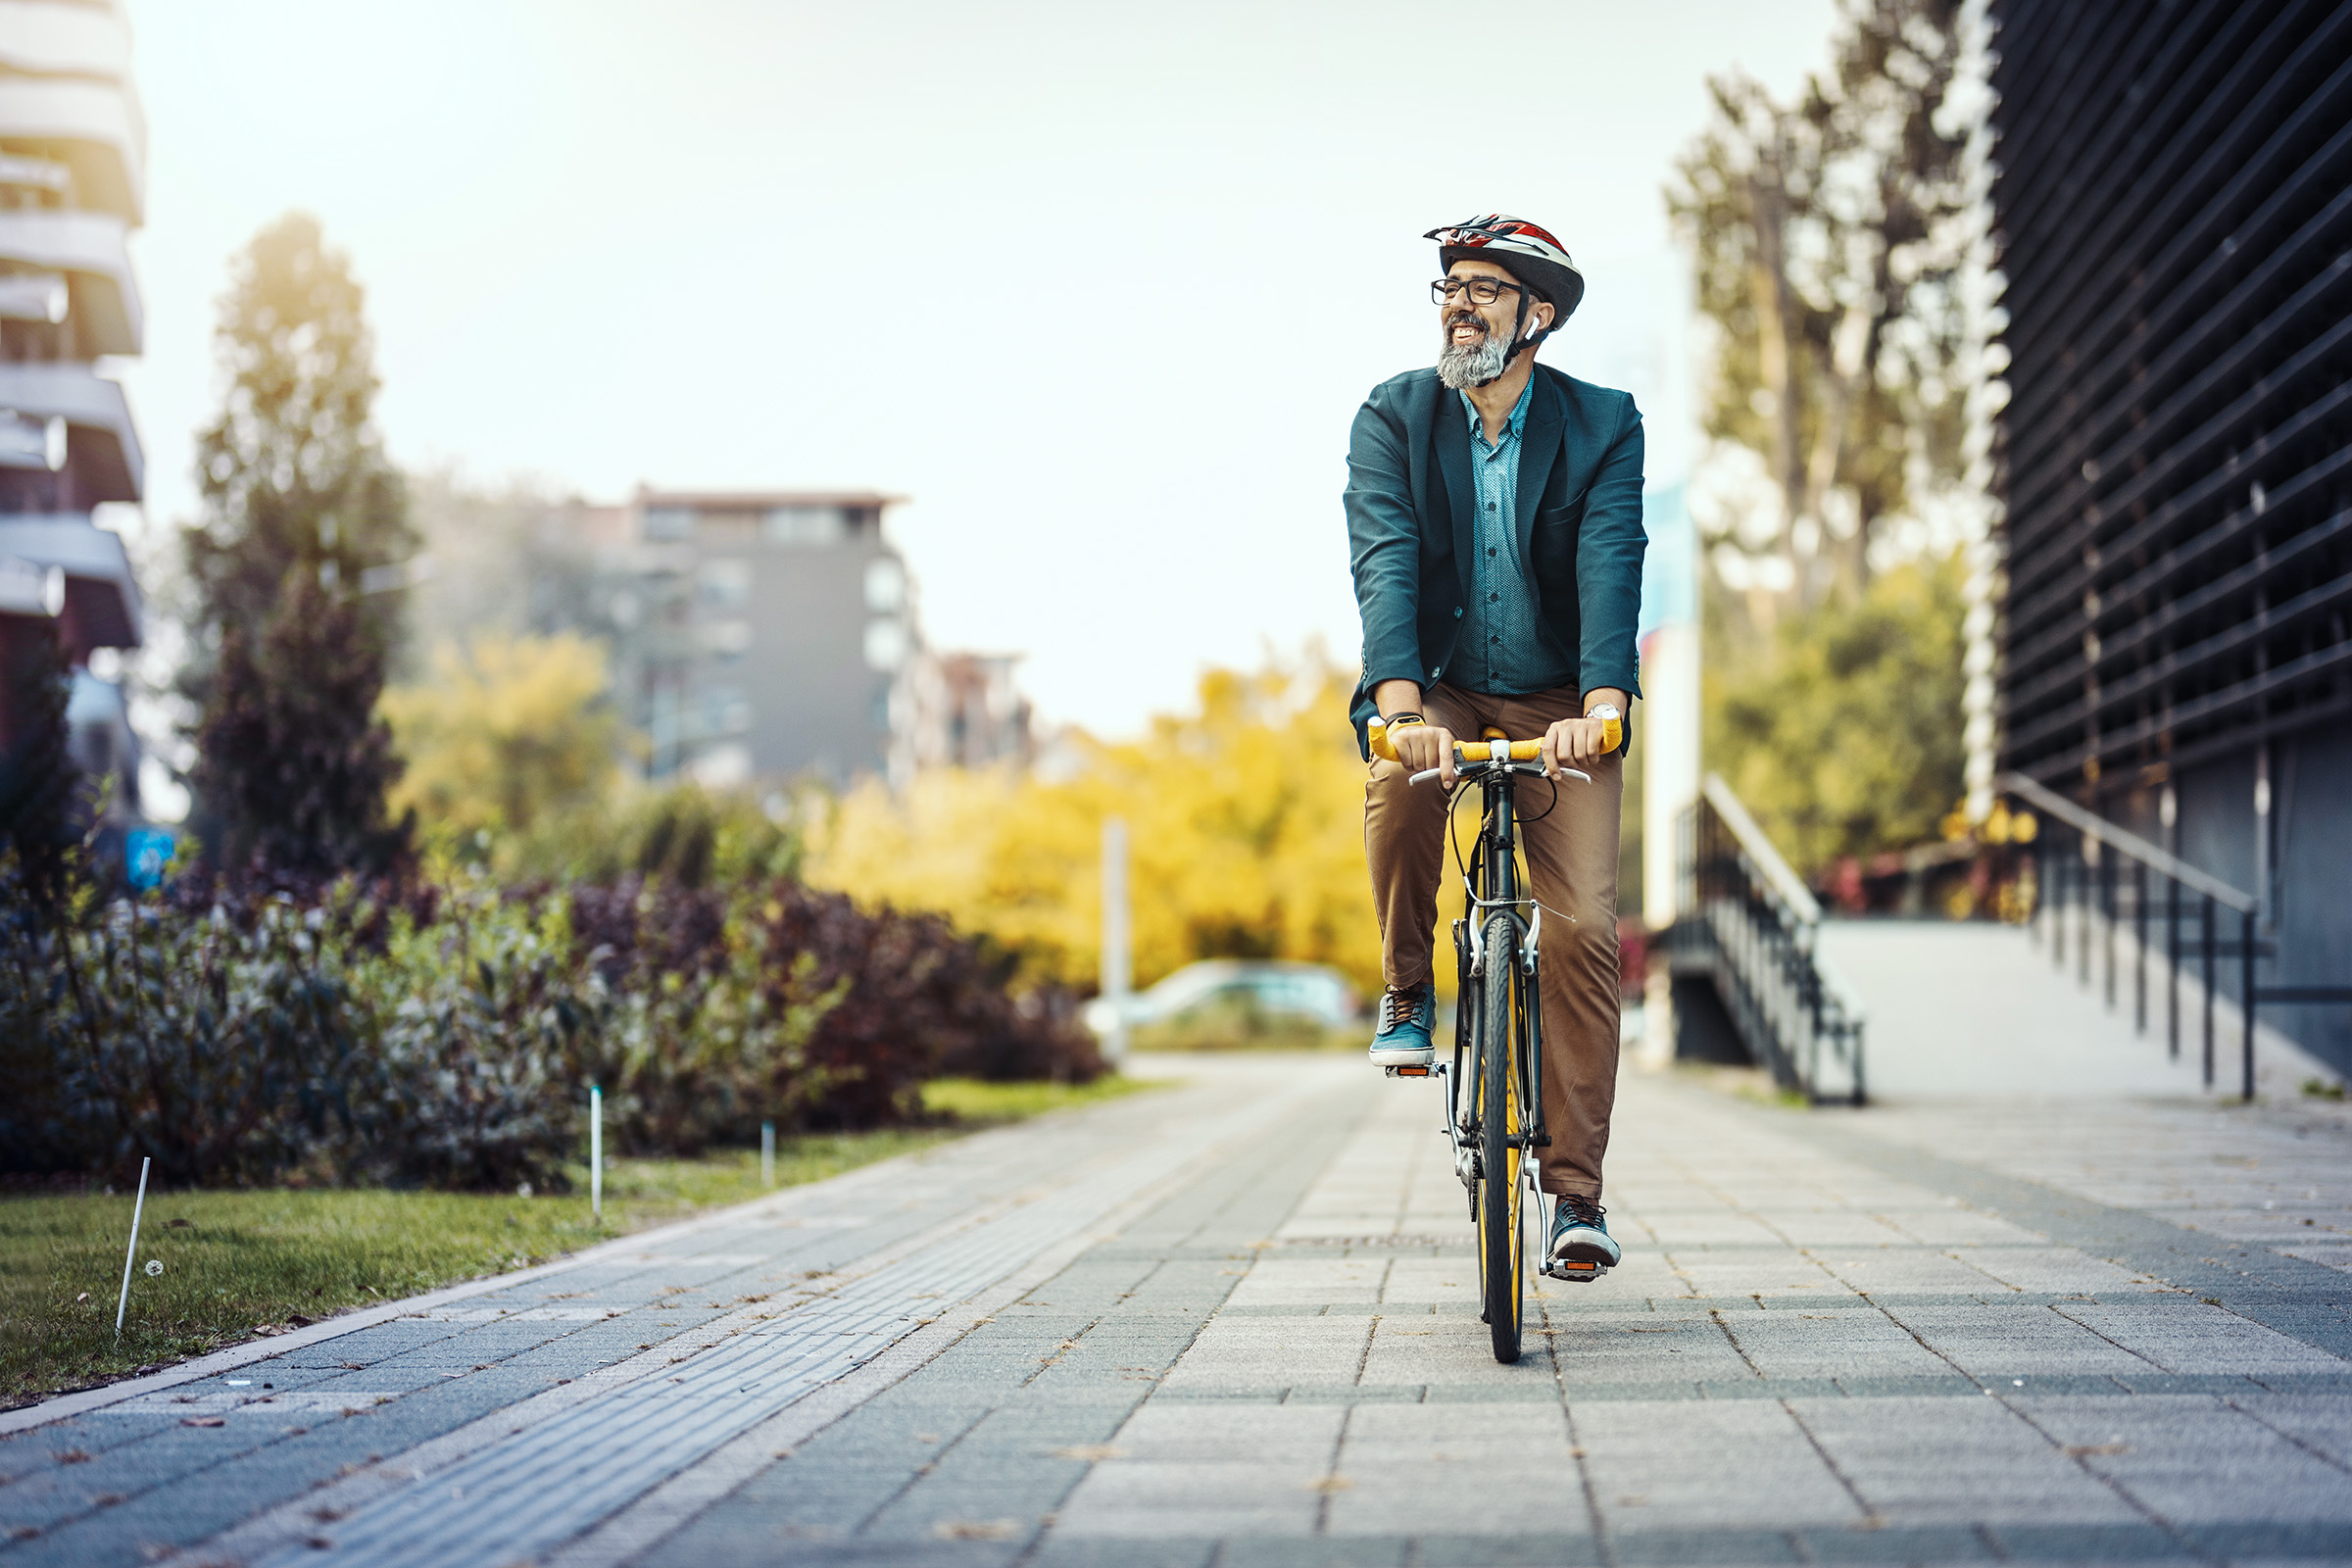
[[1490, 507], [1489, 549]]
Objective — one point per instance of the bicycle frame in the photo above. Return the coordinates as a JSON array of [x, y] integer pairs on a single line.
[[1490, 882]]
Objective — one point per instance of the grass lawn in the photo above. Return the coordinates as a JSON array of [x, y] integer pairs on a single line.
[[237, 1263]]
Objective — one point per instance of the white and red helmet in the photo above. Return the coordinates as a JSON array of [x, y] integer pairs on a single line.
[[1528, 252]]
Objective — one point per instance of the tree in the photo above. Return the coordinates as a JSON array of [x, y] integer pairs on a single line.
[[1246, 819], [38, 780], [304, 535], [504, 733], [1842, 735], [1829, 237], [292, 760]]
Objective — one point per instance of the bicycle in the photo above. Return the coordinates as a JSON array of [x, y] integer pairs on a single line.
[[1494, 1116]]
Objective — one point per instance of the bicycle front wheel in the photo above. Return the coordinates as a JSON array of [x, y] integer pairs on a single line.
[[1502, 1184]]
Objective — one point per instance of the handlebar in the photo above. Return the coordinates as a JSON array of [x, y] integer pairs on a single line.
[[1493, 748]]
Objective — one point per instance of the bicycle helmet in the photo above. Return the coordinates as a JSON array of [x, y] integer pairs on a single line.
[[1529, 254]]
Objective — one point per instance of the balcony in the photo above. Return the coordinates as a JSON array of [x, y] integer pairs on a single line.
[[101, 605], [102, 449], [92, 128], [45, 38], [87, 249]]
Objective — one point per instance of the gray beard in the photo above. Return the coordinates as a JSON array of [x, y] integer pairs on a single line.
[[1463, 368]]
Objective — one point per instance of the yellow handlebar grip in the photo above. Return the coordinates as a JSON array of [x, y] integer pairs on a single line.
[[1376, 733]]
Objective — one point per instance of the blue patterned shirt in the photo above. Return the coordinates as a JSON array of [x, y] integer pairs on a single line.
[[1503, 649]]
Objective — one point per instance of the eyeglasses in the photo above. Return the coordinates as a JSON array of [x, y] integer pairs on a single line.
[[1482, 290]]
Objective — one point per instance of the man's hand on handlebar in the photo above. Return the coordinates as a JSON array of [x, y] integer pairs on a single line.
[[1421, 747], [1573, 741]]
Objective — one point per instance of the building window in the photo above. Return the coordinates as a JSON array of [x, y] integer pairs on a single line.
[[669, 522], [804, 525], [724, 584], [726, 711], [885, 645], [885, 586], [726, 636]]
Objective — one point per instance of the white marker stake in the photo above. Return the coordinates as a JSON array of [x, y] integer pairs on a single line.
[[136, 1209], [767, 1154], [1117, 936], [596, 1150]]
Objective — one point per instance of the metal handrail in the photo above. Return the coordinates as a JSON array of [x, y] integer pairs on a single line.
[[2090, 884], [1754, 928], [2092, 825], [1759, 849]]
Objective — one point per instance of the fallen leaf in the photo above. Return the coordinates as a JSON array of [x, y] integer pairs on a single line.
[[1330, 1484], [1091, 1453], [2076, 1451], [202, 1421], [976, 1529]]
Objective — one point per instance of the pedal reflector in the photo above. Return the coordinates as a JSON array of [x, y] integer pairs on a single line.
[[1570, 1269], [1409, 1072]]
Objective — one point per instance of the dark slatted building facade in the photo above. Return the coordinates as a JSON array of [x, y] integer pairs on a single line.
[[2173, 198]]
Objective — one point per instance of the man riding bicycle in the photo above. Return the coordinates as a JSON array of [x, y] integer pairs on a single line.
[[1495, 530]]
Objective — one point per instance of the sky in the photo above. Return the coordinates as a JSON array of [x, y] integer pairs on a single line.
[[1098, 286]]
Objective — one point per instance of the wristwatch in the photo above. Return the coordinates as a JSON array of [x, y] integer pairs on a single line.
[[1604, 712]]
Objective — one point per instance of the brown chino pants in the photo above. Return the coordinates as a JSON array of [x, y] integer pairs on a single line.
[[1571, 850]]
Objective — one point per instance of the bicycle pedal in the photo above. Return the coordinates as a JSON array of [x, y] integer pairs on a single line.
[[1573, 1270], [1409, 1072]]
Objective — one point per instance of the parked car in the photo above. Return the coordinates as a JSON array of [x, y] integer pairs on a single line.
[[1312, 993]]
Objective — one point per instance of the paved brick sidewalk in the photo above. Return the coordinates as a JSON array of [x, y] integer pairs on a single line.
[[1238, 1324]]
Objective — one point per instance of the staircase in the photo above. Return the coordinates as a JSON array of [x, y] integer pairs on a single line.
[[1978, 1010]]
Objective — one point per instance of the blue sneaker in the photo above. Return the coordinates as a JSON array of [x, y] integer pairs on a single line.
[[1406, 1015], [1581, 1245]]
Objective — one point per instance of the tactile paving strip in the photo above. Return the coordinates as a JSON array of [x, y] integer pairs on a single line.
[[518, 1498]]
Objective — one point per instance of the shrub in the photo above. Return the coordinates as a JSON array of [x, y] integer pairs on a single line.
[[476, 1022], [240, 1034], [222, 1047]]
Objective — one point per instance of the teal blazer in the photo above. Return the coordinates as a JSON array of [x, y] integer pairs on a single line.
[[1410, 505]]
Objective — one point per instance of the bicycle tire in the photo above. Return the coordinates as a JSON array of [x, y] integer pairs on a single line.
[[1502, 1185]]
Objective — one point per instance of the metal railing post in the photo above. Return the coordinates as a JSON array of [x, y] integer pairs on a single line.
[[2107, 895], [2208, 957], [2139, 946], [2058, 912], [2245, 979], [2171, 968], [2083, 903]]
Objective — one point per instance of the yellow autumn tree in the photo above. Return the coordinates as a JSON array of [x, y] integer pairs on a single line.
[[504, 731], [1244, 823]]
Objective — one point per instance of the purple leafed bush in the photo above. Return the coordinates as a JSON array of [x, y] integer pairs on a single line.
[[256, 1033]]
